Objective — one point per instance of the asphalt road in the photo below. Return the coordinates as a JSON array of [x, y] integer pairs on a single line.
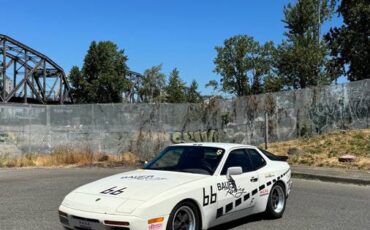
[[29, 199]]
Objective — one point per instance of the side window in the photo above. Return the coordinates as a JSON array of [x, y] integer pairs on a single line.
[[257, 160], [237, 158]]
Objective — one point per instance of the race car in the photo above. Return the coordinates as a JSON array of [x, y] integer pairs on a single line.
[[187, 186]]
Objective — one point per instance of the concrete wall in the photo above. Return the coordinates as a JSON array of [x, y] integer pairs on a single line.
[[146, 128]]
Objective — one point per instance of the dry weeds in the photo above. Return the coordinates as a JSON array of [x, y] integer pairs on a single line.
[[324, 150], [68, 156]]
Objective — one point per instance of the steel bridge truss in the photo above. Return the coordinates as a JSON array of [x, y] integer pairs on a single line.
[[30, 77]]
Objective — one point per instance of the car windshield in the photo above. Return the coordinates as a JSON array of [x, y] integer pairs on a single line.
[[193, 159]]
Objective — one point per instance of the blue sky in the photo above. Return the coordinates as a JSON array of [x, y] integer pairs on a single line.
[[174, 33]]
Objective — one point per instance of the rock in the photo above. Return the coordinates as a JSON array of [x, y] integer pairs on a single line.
[[347, 158], [295, 151], [343, 131]]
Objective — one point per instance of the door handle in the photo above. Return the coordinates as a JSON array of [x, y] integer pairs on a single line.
[[254, 179]]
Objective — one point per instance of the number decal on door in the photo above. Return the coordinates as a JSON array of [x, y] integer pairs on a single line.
[[207, 199], [113, 191]]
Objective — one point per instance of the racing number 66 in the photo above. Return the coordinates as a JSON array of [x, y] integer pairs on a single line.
[[206, 200], [111, 191]]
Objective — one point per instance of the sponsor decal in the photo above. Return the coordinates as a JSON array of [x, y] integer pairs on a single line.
[[155, 226], [143, 177], [264, 192], [231, 189]]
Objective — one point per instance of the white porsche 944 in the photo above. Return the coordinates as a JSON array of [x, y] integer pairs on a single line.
[[187, 186]]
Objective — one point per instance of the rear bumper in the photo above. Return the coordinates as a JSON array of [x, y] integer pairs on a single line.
[[78, 220]]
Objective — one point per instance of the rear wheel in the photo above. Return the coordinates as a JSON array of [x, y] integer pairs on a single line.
[[276, 202], [184, 216]]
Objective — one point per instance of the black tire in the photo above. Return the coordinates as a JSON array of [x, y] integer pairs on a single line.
[[184, 206], [275, 208]]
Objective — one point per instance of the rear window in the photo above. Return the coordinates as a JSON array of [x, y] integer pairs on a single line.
[[256, 158]]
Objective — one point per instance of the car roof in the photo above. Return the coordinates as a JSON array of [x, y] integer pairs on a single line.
[[225, 146]]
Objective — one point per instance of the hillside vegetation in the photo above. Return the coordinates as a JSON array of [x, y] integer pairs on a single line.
[[324, 150], [321, 150]]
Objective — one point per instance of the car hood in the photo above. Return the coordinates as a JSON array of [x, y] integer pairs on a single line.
[[125, 191]]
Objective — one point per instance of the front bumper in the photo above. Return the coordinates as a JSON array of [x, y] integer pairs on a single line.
[[80, 220]]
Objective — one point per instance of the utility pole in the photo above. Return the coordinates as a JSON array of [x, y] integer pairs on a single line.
[[318, 32], [266, 130], [319, 22], [4, 72]]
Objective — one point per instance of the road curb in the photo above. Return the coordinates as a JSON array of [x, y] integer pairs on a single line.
[[330, 178]]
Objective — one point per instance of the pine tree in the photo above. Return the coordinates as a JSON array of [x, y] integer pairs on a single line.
[[154, 81], [193, 96], [175, 90], [302, 57], [350, 43], [103, 75]]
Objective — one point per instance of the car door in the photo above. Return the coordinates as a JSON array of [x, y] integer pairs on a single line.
[[237, 193], [262, 174]]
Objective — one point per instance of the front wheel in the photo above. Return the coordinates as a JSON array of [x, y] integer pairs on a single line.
[[276, 201], [184, 216]]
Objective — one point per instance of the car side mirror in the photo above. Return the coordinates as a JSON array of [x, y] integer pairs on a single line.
[[233, 171], [144, 163]]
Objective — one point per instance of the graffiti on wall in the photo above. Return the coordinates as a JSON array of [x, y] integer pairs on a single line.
[[196, 136], [326, 116], [360, 108], [8, 144]]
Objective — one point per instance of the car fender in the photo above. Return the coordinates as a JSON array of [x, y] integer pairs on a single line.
[[197, 192]]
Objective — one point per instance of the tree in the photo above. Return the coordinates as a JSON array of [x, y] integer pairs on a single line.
[[154, 82], [350, 43], [192, 94], [272, 84], [102, 78], [264, 70], [243, 64], [302, 58], [213, 84], [175, 90], [77, 83]]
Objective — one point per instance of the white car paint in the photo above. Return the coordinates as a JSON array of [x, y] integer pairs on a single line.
[[146, 194]]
